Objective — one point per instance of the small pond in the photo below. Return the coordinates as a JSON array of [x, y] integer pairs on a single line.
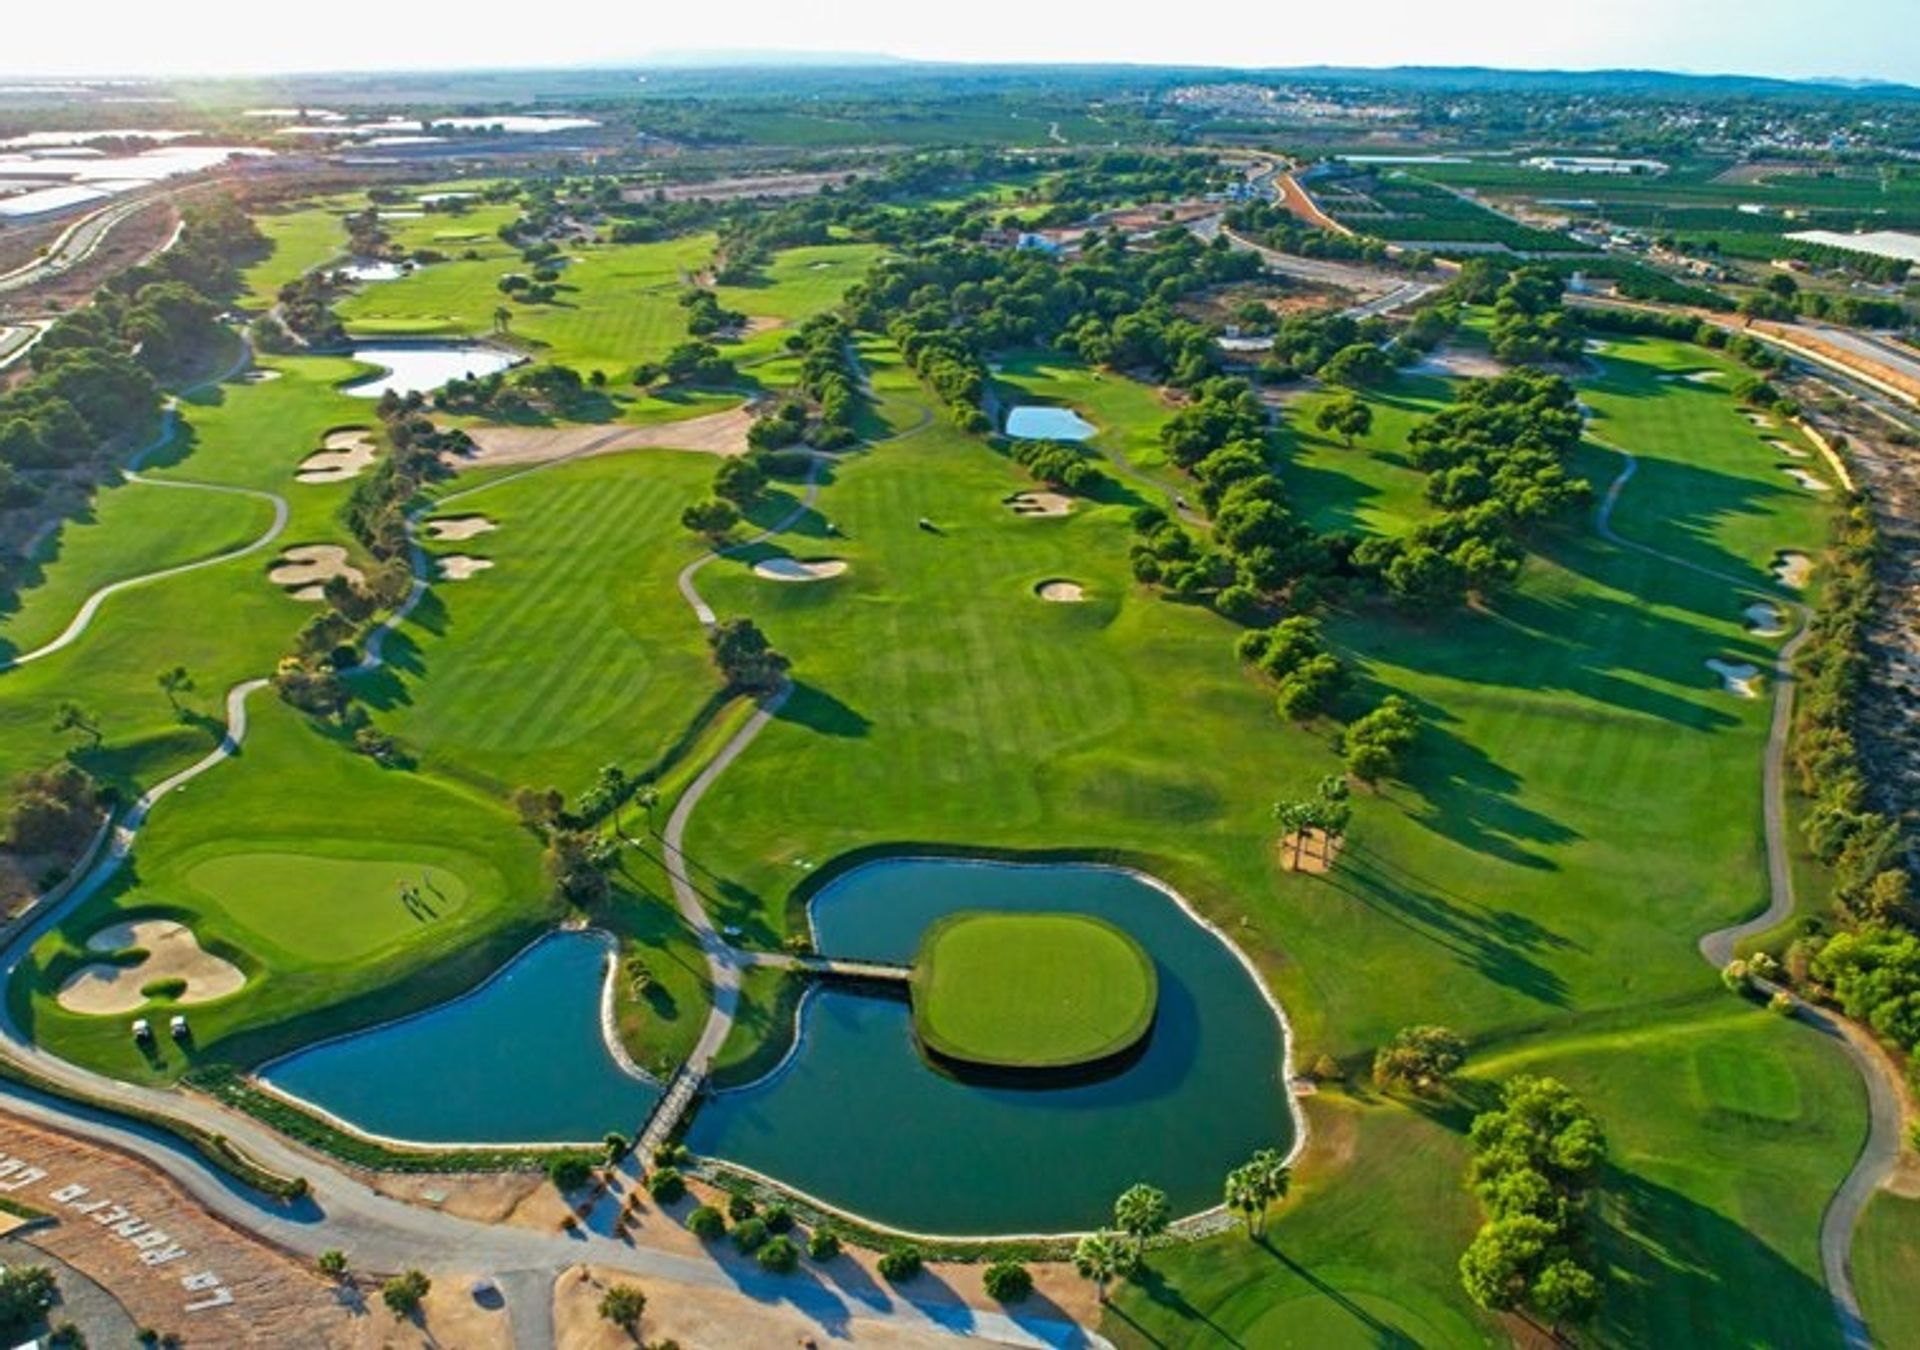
[[1035, 422], [521, 1059], [374, 269], [424, 366], [857, 1117]]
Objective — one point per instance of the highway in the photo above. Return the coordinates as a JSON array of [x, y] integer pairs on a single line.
[[76, 244]]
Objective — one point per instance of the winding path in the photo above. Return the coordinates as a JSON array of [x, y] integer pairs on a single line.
[[170, 417], [1881, 1151]]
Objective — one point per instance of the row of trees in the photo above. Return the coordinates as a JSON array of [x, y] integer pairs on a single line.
[[1535, 1159]]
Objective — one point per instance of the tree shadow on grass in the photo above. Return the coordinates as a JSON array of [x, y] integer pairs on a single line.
[[817, 710], [1502, 945]]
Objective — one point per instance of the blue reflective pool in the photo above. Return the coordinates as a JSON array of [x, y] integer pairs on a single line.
[[1038, 423]]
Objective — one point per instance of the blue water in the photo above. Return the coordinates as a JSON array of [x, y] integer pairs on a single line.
[[520, 1061], [1034, 423], [857, 1117]]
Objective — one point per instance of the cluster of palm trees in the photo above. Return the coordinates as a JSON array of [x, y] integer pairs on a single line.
[[1328, 811], [1143, 1212]]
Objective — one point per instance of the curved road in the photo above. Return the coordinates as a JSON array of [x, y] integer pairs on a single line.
[[1881, 1151], [169, 419]]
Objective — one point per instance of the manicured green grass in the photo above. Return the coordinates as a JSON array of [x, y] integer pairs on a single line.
[[1031, 991], [1886, 1266]]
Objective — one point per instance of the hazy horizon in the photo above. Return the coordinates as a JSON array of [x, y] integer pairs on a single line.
[[1854, 39]]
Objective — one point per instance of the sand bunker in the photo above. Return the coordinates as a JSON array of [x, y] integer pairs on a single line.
[[305, 570], [347, 452], [1738, 677], [1061, 592], [1792, 569], [1765, 619], [453, 529], [1787, 448], [1040, 504], [458, 566], [793, 569], [172, 953], [1463, 363], [260, 377], [1760, 420], [1705, 376], [721, 433], [1805, 479]]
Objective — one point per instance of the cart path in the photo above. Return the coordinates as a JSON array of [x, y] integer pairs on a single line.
[[170, 418], [1881, 1150]]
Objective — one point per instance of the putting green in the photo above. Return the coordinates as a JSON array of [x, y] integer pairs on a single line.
[[1031, 991], [329, 909]]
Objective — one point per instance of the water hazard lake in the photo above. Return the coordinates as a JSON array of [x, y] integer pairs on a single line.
[[520, 1060], [422, 367], [1037, 423], [857, 1117]]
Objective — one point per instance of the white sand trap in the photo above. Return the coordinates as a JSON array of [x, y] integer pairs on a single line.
[[452, 529], [1792, 569], [1805, 479], [1738, 677], [1787, 448], [1061, 592], [1761, 420], [1040, 504], [173, 953], [1704, 376], [1765, 619], [1464, 363], [720, 433], [793, 569], [459, 566], [305, 570], [347, 453], [260, 377], [1596, 345]]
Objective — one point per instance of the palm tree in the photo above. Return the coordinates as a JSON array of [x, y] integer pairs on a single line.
[[1142, 1212], [1102, 1258], [1295, 818], [502, 319], [1245, 1196], [1272, 1177], [174, 683]]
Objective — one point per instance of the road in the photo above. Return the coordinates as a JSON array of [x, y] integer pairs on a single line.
[[76, 243], [1881, 1150], [1385, 291]]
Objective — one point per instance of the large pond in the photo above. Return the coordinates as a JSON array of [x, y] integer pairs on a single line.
[[422, 367], [1034, 422], [858, 1118], [522, 1059]]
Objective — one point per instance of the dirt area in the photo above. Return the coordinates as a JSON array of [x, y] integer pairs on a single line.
[[348, 452], [173, 1266], [754, 185], [1061, 592], [485, 1197], [451, 1318], [305, 570], [104, 989], [1309, 852], [1460, 363], [794, 569], [460, 566], [127, 243], [721, 433], [1040, 504], [453, 529]]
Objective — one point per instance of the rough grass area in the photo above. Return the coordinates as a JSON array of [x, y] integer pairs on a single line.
[[1031, 991]]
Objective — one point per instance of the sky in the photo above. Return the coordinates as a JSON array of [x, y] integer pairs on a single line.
[[1795, 38]]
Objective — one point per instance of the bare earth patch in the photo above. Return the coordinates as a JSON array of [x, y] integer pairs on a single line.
[[459, 566], [173, 953], [305, 570], [1736, 676], [1040, 504], [453, 529], [794, 569], [1792, 569], [721, 433], [1309, 851], [1061, 592], [1787, 448], [1463, 363], [347, 453]]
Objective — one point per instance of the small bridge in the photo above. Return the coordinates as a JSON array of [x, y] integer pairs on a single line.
[[833, 967]]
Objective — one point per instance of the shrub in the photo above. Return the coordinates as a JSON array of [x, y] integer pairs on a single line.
[[403, 1293], [823, 1244], [169, 988], [779, 1255], [1781, 1003], [569, 1171], [779, 1218], [740, 1207], [1007, 1281], [901, 1264], [706, 1223], [749, 1235], [332, 1263], [666, 1185]]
